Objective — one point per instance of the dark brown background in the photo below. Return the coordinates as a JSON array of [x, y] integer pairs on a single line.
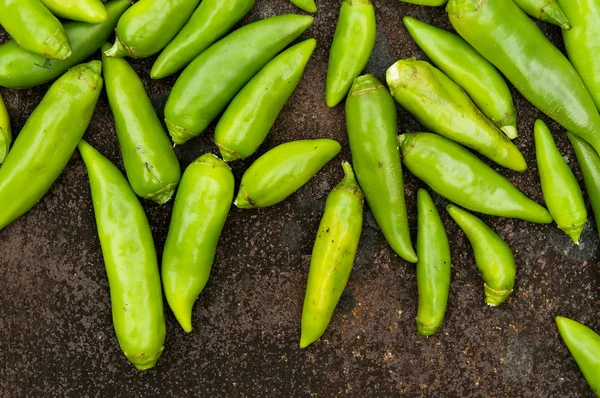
[[56, 334]]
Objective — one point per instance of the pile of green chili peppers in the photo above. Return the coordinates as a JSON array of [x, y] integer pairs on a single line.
[[247, 76]]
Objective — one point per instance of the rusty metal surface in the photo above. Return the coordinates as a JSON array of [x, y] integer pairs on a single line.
[[56, 335]]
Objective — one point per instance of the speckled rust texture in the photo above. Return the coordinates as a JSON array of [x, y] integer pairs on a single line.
[[56, 334]]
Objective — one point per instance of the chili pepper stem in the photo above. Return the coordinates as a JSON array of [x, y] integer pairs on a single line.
[[180, 135], [227, 154], [510, 131], [164, 195], [349, 182], [119, 49], [243, 201], [493, 297]]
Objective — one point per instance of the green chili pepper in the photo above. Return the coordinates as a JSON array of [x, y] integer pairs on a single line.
[[332, 256], [351, 49], [442, 106], [201, 207], [432, 3], [130, 261], [372, 126], [510, 40], [460, 176], [48, 139], [433, 268], [306, 5], [35, 28], [22, 69], [209, 83], [561, 190], [480, 79], [5, 132], [584, 345], [283, 170], [148, 26], [250, 116], [211, 21], [150, 162], [581, 41], [90, 11], [545, 10]]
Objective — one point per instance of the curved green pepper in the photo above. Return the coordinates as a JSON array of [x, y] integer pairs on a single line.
[[443, 107], [148, 26], [36, 160], [561, 190], [35, 28], [492, 255], [207, 85], [431, 3], [90, 11], [283, 170], [351, 49], [460, 176], [250, 116], [130, 261], [510, 40], [372, 126], [480, 79], [306, 5], [150, 162], [22, 69], [545, 10], [211, 21], [584, 345], [332, 256], [433, 268], [5, 132], [201, 207]]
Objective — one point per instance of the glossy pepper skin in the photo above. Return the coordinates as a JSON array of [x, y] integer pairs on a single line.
[[492, 255], [130, 261], [351, 49], [306, 5], [283, 170], [561, 189], [250, 116], [332, 256], [201, 207], [510, 40], [22, 69], [433, 268], [34, 28], [545, 10], [211, 21], [5, 132], [148, 26], [443, 107], [461, 177], [372, 125], [150, 162], [207, 85], [584, 345], [36, 160], [90, 11], [467, 68]]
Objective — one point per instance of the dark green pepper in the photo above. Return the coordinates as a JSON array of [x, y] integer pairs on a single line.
[[5, 132]]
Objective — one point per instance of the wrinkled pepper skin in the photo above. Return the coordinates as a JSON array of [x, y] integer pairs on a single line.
[[36, 160], [443, 107], [90, 11], [211, 81], [130, 261], [510, 40], [22, 69], [351, 49], [467, 68], [584, 345], [306, 5], [283, 170], [332, 256], [431, 3], [372, 125], [211, 21], [5, 132], [34, 28], [561, 190], [148, 26], [201, 207], [492, 255], [150, 162], [545, 10], [252, 113], [433, 268], [461, 177]]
